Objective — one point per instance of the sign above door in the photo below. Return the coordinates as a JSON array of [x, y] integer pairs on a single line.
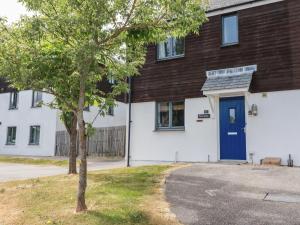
[[232, 71]]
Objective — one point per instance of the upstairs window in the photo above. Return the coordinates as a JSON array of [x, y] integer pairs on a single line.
[[230, 30], [171, 48], [34, 136], [13, 100], [37, 98], [111, 79], [170, 115], [111, 111], [11, 135]]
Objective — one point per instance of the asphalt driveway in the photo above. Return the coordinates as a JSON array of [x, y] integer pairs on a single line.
[[215, 194], [12, 171]]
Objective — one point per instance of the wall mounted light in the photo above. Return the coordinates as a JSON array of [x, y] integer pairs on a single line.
[[254, 110]]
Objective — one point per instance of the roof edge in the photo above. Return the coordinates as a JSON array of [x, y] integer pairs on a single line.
[[240, 6], [235, 5]]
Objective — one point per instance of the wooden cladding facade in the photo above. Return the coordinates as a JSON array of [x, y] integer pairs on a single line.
[[269, 36]]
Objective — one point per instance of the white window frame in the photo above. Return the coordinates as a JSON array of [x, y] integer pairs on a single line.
[[171, 44]]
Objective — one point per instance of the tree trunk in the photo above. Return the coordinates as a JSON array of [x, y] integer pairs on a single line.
[[73, 144], [81, 206]]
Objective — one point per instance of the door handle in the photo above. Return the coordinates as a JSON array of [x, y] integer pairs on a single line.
[[232, 133]]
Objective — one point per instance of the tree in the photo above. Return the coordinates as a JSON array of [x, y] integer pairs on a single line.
[[102, 37], [70, 122], [21, 55]]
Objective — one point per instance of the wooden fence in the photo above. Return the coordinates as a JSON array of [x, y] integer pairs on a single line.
[[106, 142]]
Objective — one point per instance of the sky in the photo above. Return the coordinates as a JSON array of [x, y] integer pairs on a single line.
[[11, 9]]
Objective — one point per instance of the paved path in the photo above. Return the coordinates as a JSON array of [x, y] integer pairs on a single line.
[[213, 194], [12, 171]]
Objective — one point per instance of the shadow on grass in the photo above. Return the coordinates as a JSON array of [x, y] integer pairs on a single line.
[[131, 183], [119, 217]]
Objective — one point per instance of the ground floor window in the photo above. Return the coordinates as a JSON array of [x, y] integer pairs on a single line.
[[34, 136], [170, 115], [11, 135]]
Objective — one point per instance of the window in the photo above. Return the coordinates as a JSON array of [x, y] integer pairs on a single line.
[[170, 115], [111, 111], [111, 79], [173, 47], [34, 136], [232, 115], [11, 135], [87, 108], [230, 30], [13, 100], [37, 99]]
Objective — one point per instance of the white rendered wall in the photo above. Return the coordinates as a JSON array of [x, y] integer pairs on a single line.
[[193, 145], [118, 119], [275, 132], [23, 118]]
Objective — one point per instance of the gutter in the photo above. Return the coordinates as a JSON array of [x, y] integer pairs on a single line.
[[250, 3], [231, 6]]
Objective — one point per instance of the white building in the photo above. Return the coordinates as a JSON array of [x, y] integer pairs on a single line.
[[27, 128], [230, 93]]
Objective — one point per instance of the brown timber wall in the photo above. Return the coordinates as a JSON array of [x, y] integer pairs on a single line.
[[269, 37], [106, 142]]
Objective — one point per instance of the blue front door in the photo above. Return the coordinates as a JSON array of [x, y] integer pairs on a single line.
[[232, 129]]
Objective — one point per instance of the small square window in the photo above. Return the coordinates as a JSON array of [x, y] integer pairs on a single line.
[[34, 136], [171, 48], [13, 100], [170, 115], [230, 30], [11, 135], [37, 98]]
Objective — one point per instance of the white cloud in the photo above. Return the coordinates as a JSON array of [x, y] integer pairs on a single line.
[[11, 9]]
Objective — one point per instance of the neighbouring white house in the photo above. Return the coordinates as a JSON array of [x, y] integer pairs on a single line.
[[230, 93], [29, 128]]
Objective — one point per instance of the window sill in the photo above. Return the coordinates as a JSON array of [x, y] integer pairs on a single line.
[[10, 144], [12, 109], [169, 129], [170, 58], [33, 144], [36, 107], [230, 45]]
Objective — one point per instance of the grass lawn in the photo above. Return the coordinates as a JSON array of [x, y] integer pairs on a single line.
[[119, 196], [33, 161]]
